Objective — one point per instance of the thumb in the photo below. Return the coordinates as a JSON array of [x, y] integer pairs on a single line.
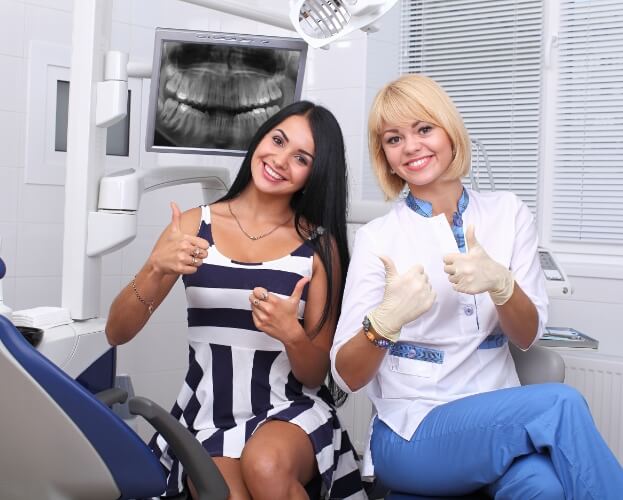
[[298, 288], [470, 237], [176, 216], [390, 267]]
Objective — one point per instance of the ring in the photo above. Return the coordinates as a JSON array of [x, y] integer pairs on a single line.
[[194, 260], [255, 302], [264, 295], [196, 252]]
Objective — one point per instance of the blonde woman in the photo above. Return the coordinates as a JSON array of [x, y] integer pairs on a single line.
[[435, 291]]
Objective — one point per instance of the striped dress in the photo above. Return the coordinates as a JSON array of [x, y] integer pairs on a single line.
[[239, 377]]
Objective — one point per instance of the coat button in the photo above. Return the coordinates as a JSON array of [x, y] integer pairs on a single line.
[[468, 310]]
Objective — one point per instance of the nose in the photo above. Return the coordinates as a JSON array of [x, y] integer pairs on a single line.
[[412, 144], [280, 159]]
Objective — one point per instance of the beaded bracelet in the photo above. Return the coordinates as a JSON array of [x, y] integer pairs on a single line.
[[148, 304]]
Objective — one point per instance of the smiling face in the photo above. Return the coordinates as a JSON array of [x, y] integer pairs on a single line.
[[282, 161], [418, 152]]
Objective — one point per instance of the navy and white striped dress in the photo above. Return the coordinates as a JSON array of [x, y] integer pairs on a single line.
[[239, 377]]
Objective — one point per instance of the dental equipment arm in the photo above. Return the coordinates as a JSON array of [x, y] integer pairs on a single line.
[[115, 222]]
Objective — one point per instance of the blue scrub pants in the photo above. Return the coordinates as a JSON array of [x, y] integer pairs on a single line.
[[534, 441]]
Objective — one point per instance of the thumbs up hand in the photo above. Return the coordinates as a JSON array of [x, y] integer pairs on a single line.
[[177, 252], [407, 296], [476, 272], [275, 316]]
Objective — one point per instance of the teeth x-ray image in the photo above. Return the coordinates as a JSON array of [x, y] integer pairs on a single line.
[[216, 96]]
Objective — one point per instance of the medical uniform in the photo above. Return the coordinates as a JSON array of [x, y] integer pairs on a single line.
[[239, 377], [440, 429]]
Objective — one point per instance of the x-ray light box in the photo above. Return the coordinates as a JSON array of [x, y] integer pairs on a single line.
[[211, 91]]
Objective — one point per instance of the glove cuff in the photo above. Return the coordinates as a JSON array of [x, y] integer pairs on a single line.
[[501, 295], [381, 329]]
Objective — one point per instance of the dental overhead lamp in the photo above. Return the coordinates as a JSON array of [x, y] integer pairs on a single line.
[[318, 22]]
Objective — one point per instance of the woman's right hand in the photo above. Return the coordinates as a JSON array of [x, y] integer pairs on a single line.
[[177, 252], [407, 296]]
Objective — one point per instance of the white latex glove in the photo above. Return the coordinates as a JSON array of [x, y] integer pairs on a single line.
[[475, 272], [406, 297]]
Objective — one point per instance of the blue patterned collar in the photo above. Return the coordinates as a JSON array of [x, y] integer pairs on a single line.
[[425, 209]]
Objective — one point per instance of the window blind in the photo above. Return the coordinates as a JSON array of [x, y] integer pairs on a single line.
[[587, 203], [487, 55]]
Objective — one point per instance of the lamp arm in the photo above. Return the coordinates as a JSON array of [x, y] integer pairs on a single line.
[[266, 16]]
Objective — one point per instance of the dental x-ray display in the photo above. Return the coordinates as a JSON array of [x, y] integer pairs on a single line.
[[211, 91]]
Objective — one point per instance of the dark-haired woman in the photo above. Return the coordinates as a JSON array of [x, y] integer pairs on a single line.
[[264, 276]]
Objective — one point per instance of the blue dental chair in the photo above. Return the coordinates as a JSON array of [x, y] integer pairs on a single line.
[[59, 441], [535, 366]]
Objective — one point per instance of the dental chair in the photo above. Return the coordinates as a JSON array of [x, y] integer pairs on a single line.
[[535, 366], [60, 442]]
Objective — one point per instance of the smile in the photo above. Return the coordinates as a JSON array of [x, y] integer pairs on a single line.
[[419, 163], [272, 174]]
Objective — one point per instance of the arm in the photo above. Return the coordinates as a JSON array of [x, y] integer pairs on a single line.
[[170, 257], [518, 291], [375, 289], [307, 349], [523, 317]]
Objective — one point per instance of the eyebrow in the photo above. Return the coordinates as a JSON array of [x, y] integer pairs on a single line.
[[288, 140], [415, 124]]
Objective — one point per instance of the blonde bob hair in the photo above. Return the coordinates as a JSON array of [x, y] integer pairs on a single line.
[[405, 100]]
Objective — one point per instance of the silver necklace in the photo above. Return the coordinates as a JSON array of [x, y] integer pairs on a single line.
[[260, 236]]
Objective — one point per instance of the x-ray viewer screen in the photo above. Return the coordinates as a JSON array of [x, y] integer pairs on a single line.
[[211, 97]]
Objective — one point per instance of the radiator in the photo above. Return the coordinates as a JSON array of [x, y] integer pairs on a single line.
[[598, 377], [600, 380]]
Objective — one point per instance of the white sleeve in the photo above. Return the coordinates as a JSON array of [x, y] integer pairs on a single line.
[[526, 266], [363, 291]]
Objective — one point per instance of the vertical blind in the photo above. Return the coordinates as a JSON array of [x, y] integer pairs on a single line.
[[487, 55], [588, 175]]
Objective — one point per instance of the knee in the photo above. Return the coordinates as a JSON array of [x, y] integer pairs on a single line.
[[566, 394], [570, 396], [541, 488], [260, 468]]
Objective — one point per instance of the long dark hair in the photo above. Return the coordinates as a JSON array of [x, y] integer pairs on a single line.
[[320, 207]]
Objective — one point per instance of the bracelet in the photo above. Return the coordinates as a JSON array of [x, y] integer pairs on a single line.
[[149, 305], [374, 337]]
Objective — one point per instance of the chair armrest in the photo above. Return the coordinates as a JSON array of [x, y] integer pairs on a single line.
[[538, 365], [205, 476], [111, 396]]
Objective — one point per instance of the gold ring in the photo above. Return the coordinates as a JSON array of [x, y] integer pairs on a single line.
[[255, 302], [196, 252], [194, 260]]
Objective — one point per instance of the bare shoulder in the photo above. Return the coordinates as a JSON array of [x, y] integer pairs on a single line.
[[219, 210], [191, 220]]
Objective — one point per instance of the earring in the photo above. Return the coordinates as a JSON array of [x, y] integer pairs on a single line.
[[391, 171]]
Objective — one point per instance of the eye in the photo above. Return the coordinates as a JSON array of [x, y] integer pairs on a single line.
[[393, 139], [278, 140], [425, 129], [302, 159]]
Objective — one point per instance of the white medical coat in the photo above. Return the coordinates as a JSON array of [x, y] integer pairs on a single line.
[[404, 390]]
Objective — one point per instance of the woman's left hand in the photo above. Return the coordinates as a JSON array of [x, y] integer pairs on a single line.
[[275, 316], [475, 272]]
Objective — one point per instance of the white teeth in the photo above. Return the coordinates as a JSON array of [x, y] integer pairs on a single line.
[[272, 173], [418, 163]]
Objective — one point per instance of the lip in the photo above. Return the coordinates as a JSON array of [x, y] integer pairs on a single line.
[[269, 177], [421, 163]]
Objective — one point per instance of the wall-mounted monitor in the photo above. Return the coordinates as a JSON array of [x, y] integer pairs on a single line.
[[211, 91]]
